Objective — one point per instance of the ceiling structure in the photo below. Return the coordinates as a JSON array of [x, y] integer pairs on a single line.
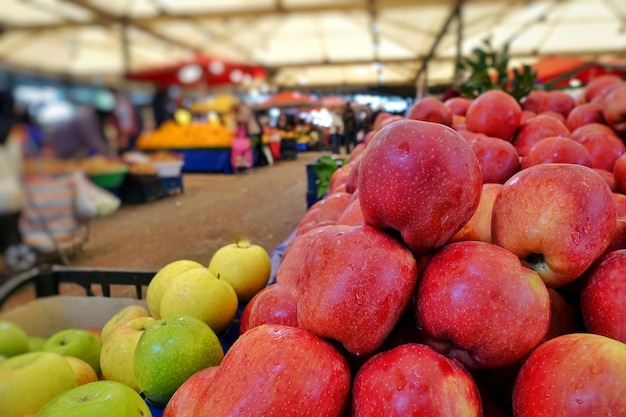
[[305, 44]]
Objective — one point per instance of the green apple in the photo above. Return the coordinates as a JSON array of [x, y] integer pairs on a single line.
[[200, 294], [159, 282], [13, 339], [28, 381], [76, 342], [170, 351], [35, 344], [126, 314], [118, 350], [84, 372], [97, 399], [245, 266]]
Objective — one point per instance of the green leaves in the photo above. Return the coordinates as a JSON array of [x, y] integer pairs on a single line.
[[487, 69], [324, 168]]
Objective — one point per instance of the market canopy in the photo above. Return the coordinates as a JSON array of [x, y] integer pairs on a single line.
[[306, 43]]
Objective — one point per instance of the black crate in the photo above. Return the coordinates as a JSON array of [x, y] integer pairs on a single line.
[[288, 149], [141, 189], [311, 178], [311, 198]]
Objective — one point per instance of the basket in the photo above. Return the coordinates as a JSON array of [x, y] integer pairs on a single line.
[[111, 179]]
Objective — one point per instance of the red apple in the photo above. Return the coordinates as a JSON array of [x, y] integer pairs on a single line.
[[498, 159], [615, 108], [608, 176], [414, 380], [557, 116], [555, 149], [619, 173], [558, 218], [535, 129], [619, 237], [274, 304], [564, 317], [600, 85], [526, 114], [602, 143], [278, 371], [368, 137], [574, 375], [603, 294], [494, 113], [430, 109], [340, 176], [458, 122], [470, 136], [380, 118], [290, 267], [334, 204], [352, 215], [534, 101], [584, 114], [558, 102], [458, 105], [184, 400], [356, 282], [420, 179], [478, 226], [352, 183], [479, 305]]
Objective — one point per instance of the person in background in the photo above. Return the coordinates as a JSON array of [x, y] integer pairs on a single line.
[[349, 127], [160, 106], [81, 136], [336, 131], [125, 119], [248, 120]]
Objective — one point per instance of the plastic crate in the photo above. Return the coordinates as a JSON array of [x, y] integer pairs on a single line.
[[302, 146], [138, 190], [311, 178], [311, 198], [172, 185], [288, 149]]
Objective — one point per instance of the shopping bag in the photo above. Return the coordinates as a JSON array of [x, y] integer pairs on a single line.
[[91, 200]]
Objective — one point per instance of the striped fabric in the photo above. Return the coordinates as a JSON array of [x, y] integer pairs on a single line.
[[49, 213]]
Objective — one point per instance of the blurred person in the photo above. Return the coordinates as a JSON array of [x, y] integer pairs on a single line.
[[82, 135], [246, 119], [336, 131], [161, 106], [125, 119], [350, 127]]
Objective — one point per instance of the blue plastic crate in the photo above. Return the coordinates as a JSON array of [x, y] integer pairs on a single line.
[[311, 177], [311, 198], [302, 147], [172, 185]]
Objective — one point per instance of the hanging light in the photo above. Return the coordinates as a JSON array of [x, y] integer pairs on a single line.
[[189, 74]]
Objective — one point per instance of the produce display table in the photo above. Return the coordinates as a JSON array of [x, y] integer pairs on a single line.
[[206, 160]]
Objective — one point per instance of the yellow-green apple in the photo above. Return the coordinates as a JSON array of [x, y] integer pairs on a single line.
[[159, 282], [200, 294], [604, 146], [494, 113], [274, 304], [557, 218], [430, 109], [414, 380], [274, 370], [555, 149], [498, 159], [187, 396], [574, 375], [97, 399], [170, 351], [602, 296], [458, 105], [584, 114], [76, 342], [535, 129], [356, 282], [13, 339], [118, 351], [614, 110], [420, 180], [29, 380], [478, 227], [126, 314], [477, 303], [244, 265], [36, 343], [84, 372]]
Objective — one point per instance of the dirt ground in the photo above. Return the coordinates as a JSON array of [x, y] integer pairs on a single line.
[[264, 206]]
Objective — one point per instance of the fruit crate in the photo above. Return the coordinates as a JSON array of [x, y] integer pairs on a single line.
[[141, 189]]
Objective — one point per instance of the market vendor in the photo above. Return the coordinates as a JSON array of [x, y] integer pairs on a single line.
[[82, 135]]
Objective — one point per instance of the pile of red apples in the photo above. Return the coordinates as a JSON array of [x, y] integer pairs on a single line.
[[469, 259]]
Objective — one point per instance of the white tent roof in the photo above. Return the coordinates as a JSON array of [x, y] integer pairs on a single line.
[[307, 42]]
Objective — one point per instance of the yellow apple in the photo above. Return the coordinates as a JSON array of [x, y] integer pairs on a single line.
[[200, 294], [245, 266], [124, 315], [159, 282], [28, 381], [116, 357], [84, 372]]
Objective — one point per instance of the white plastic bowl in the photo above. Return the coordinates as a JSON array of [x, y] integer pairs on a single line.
[[169, 168]]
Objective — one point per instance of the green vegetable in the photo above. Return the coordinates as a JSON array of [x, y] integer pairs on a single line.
[[324, 167]]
